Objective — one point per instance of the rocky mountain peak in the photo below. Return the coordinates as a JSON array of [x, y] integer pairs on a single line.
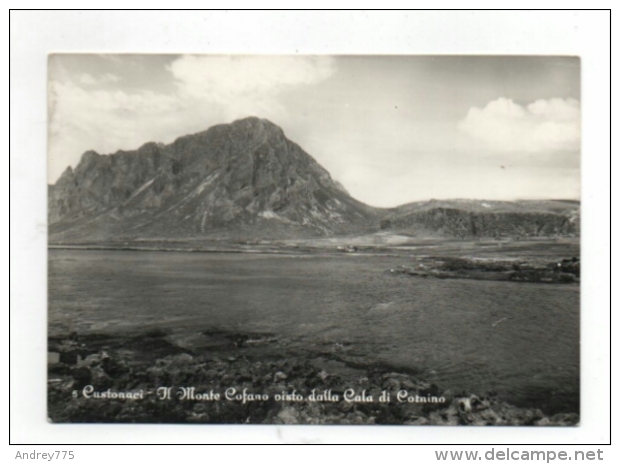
[[245, 178]]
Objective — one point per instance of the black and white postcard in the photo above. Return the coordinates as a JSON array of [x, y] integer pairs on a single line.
[[279, 239]]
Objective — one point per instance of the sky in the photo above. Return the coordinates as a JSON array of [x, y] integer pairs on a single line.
[[391, 129]]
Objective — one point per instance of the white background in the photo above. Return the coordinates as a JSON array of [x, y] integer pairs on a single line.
[[34, 34]]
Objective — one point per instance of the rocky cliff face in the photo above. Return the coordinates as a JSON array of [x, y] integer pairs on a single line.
[[471, 218], [245, 178]]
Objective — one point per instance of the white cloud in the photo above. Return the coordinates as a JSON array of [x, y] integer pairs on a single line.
[[221, 77], [108, 77], [541, 127], [240, 85], [89, 79]]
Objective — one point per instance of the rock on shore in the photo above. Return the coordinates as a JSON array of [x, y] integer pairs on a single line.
[[266, 392]]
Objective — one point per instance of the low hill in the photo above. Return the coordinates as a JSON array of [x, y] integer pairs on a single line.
[[480, 218]]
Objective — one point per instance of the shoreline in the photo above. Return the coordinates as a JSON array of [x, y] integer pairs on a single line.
[[249, 364], [447, 266]]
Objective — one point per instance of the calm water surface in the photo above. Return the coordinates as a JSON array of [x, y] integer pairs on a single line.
[[521, 340]]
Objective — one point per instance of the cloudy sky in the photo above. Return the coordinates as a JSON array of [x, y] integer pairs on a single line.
[[391, 129]]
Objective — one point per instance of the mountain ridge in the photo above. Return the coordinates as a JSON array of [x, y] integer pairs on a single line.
[[240, 177], [247, 179]]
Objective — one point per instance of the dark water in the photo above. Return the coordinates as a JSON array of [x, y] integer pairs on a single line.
[[521, 340]]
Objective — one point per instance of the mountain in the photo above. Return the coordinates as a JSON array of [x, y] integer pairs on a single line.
[[477, 218], [246, 180], [243, 179]]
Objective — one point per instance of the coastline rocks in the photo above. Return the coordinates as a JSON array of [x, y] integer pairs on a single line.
[[443, 267], [266, 392], [565, 419]]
